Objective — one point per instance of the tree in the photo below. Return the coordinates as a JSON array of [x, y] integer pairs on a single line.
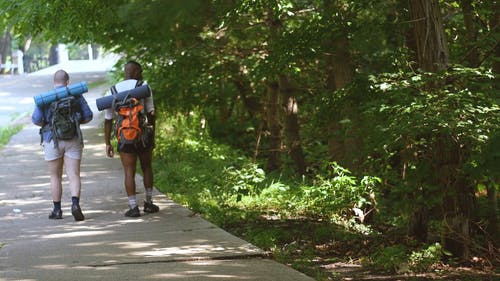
[[339, 72]]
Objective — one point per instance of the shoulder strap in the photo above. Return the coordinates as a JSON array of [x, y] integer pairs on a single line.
[[113, 90], [139, 83]]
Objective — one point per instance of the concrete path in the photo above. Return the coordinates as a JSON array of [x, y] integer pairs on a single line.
[[173, 244]]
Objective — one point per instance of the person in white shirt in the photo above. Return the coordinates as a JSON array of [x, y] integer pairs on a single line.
[[129, 153]]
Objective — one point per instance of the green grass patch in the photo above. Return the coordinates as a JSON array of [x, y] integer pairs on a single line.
[[7, 132]]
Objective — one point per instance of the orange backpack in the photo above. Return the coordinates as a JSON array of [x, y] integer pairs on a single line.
[[130, 123]]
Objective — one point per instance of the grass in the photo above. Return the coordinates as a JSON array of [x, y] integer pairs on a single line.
[[7, 132]]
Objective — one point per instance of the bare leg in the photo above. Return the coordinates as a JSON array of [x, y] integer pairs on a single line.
[[55, 169], [129, 162], [73, 172], [146, 158]]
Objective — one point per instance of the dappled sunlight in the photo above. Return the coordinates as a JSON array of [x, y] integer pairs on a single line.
[[47, 185], [75, 234], [192, 250], [23, 201], [53, 266], [134, 245], [14, 215], [211, 270]]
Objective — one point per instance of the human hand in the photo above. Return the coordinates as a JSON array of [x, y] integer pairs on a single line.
[[110, 152]]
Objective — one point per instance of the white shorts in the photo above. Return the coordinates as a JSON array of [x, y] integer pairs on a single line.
[[70, 148]]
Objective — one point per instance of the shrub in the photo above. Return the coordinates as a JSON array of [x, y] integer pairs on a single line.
[[391, 259], [423, 260]]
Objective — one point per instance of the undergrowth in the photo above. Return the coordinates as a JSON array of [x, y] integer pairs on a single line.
[[315, 224]]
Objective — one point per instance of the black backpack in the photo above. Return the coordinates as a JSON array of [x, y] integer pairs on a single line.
[[65, 119]]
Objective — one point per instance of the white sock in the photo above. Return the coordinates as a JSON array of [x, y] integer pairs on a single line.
[[149, 195], [132, 201]]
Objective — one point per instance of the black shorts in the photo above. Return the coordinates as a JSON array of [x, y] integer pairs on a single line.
[[137, 148]]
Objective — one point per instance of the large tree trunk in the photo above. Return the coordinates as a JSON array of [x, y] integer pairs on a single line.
[[432, 50], [292, 129], [472, 55], [432, 55], [458, 197], [273, 105], [339, 73]]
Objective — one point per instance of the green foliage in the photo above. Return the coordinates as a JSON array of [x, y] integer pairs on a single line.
[[417, 124], [400, 259], [391, 259], [204, 172], [7, 132], [335, 191], [423, 260], [241, 181]]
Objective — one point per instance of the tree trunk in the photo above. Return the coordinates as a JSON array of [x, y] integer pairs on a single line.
[[494, 22], [292, 129], [274, 25], [432, 56], [432, 49], [419, 223], [5, 47], [339, 73], [274, 126], [472, 55], [53, 57], [493, 215], [448, 158]]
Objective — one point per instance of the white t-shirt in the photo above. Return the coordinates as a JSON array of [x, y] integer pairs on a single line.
[[128, 85]]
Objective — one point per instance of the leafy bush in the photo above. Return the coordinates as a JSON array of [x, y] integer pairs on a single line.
[[336, 191], [391, 259], [421, 261], [239, 182], [396, 258]]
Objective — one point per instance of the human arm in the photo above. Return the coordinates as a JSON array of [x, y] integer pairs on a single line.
[[38, 117], [86, 112], [108, 124]]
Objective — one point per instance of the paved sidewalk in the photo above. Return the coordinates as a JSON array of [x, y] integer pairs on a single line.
[[173, 244]]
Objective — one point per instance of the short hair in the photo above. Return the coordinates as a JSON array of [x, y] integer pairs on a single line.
[[133, 70], [61, 77]]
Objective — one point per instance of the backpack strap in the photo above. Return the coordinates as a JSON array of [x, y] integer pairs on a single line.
[[53, 108], [113, 90]]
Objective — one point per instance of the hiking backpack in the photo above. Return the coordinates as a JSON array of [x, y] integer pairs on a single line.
[[65, 119], [130, 126]]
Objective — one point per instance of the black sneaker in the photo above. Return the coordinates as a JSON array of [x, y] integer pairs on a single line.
[[55, 215], [133, 212], [77, 213], [149, 207]]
